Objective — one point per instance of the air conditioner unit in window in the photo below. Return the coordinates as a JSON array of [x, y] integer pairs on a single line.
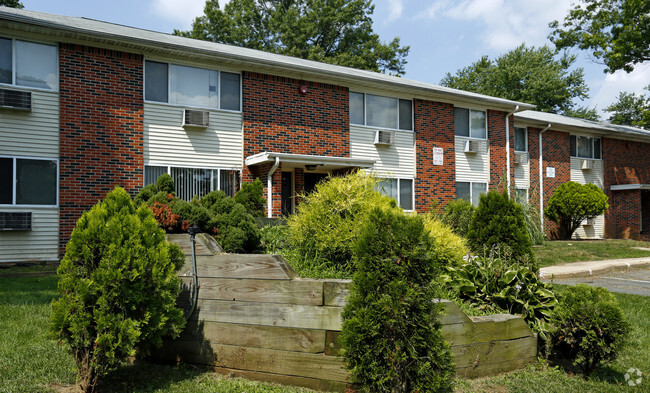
[[194, 118], [520, 158], [16, 99], [15, 221], [587, 164], [471, 146], [384, 137]]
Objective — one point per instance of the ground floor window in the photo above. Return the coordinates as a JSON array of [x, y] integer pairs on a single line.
[[28, 181], [470, 191], [191, 182], [521, 196], [399, 189]]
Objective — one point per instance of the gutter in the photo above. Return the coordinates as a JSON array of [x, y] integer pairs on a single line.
[[269, 188], [508, 148], [541, 179]]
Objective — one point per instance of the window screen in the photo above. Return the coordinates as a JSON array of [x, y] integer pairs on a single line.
[[6, 68], [520, 139], [36, 65], [381, 111], [36, 182], [405, 115], [461, 122], [356, 108], [230, 97], [155, 85], [193, 86], [406, 194]]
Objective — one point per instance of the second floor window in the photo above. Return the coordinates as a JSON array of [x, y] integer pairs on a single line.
[[470, 123], [191, 86], [378, 111], [521, 139], [28, 64], [585, 147]]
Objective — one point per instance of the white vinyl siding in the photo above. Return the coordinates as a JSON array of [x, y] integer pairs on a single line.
[[396, 160], [594, 176], [32, 133], [472, 167], [39, 244], [522, 172], [166, 142]]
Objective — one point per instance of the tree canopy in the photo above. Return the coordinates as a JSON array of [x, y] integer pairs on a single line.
[[631, 110], [332, 31], [615, 31], [12, 4], [539, 76]]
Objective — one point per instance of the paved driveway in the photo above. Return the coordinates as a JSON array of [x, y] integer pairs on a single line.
[[634, 281]]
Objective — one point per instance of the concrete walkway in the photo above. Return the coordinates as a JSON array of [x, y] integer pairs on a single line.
[[590, 268]]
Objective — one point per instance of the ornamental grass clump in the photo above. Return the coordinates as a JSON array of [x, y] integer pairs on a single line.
[[391, 335], [118, 287]]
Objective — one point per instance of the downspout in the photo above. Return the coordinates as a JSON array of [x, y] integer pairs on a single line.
[[508, 148], [269, 188], [541, 179]]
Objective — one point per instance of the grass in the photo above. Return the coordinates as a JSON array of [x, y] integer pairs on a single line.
[[558, 252]]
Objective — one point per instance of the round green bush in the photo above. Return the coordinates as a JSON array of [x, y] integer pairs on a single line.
[[572, 203], [118, 287], [251, 196], [589, 328], [165, 183], [391, 335]]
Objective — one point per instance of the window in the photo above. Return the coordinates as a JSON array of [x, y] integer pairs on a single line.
[[28, 64], [399, 189], [470, 123], [191, 86], [585, 147], [521, 196], [379, 111], [470, 191], [28, 181], [521, 139], [190, 182]]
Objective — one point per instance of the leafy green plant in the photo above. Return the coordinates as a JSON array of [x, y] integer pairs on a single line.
[[273, 238], [118, 287], [589, 328], [572, 203], [391, 335], [450, 248], [251, 196], [499, 284], [329, 219], [458, 215], [499, 222], [165, 183]]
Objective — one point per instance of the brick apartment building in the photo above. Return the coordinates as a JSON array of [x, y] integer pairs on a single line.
[[86, 106]]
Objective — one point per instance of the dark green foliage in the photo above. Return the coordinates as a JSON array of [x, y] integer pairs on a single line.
[[165, 183], [499, 222], [391, 334], [497, 284], [194, 213], [250, 195], [12, 4], [236, 230], [332, 31], [589, 328], [458, 215], [145, 194], [631, 110], [118, 287], [572, 203]]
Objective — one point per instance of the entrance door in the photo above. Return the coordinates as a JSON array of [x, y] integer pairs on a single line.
[[287, 193], [644, 218], [311, 179]]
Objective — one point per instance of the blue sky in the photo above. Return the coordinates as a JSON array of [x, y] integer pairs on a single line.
[[444, 35]]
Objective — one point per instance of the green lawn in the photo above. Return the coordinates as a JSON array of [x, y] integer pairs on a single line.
[[558, 252]]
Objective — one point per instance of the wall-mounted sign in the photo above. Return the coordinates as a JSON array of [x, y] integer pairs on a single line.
[[550, 171], [438, 155]]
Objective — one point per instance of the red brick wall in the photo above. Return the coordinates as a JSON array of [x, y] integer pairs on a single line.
[[434, 127], [557, 154], [497, 138], [625, 162], [101, 128]]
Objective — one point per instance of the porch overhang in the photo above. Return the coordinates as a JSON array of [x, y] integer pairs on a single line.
[[315, 163], [623, 187]]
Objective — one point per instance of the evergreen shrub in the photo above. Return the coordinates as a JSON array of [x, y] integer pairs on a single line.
[[251, 196], [118, 287], [589, 328], [499, 222], [458, 215], [391, 335], [572, 203], [450, 248]]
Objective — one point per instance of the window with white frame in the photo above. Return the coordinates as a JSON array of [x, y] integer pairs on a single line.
[[585, 147], [28, 64], [470, 123], [28, 181], [191, 86], [378, 111], [521, 196], [470, 191], [399, 189], [521, 139], [191, 182]]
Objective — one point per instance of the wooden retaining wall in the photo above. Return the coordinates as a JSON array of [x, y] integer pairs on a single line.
[[257, 319]]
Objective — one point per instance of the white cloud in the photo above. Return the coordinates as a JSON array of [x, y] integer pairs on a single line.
[[395, 8], [434, 9], [620, 81], [182, 12]]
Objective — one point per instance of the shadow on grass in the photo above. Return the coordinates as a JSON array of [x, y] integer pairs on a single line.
[[28, 290], [605, 373], [145, 376]]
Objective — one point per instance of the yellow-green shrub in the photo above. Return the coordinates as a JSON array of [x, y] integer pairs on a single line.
[[450, 247]]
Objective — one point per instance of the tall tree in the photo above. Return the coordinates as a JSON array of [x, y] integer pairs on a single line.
[[333, 31], [535, 75], [583, 112], [631, 110], [616, 31], [12, 4]]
